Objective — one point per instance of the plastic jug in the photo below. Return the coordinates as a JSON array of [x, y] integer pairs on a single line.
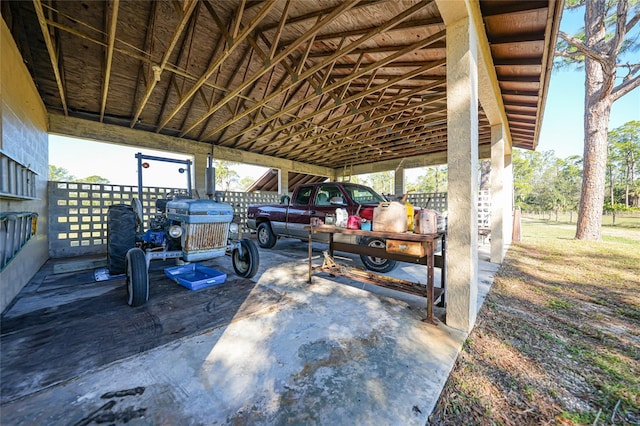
[[353, 222], [390, 217], [410, 212], [342, 218], [426, 221]]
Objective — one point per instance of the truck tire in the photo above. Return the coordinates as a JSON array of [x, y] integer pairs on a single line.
[[266, 237], [377, 264], [137, 278], [121, 236], [246, 265]]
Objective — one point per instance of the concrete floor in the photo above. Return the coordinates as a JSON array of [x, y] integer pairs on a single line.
[[335, 352]]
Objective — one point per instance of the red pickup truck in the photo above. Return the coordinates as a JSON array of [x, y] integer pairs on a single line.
[[289, 218]]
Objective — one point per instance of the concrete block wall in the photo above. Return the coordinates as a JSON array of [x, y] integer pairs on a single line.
[[24, 142]]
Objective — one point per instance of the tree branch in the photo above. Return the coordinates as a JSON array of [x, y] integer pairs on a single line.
[[625, 87], [578, 44], [633, 21], [621, 19]]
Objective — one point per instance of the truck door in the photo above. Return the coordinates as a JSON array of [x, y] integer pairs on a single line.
[[298, 215]]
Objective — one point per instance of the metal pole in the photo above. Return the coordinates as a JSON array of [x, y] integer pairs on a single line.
[[139, 157]]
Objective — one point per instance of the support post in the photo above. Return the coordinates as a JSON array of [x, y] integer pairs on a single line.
[[462, 151], [398, 181], [283, 181], [497, 193], [508, 200]]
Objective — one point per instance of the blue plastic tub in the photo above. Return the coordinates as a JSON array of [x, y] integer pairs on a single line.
[[195, 276]]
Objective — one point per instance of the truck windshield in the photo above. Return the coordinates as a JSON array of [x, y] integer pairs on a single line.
[[363, 194]]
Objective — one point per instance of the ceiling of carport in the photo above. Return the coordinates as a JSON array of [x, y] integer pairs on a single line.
[[332, 83]]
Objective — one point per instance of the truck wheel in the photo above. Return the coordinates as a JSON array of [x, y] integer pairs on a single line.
[[246, 265], [266, 237], [377, 264], [121, 236], [137, 278]]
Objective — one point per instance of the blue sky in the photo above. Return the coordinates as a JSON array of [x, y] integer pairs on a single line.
[[562, 132], [562, 126]]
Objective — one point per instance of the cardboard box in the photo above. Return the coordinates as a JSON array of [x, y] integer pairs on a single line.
[[410, 248]]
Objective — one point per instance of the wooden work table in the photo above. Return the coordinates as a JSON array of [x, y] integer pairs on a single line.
[[427, 256]]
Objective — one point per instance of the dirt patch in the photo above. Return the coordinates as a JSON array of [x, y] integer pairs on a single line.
[[557, 340]]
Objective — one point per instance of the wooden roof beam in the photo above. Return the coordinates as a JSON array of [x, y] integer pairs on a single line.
[[363, 111], [364, 146], [367, 109], [315, 14], [384, 125], [53, 56], [365, 71], [380, 49], [268, 4], [351, 46], [508, 8], [420, 23], [159, 69], [283, 54], [280, 29], [112, 24], [390, 135]]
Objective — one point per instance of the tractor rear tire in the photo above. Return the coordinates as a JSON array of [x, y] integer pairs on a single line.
[[137, 278], [121, 236]]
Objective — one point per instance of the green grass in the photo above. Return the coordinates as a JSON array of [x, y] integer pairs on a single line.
[[556, 339]]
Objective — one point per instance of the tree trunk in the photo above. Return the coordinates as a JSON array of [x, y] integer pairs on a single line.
[[611, 183], [596, 123], [599, 81]]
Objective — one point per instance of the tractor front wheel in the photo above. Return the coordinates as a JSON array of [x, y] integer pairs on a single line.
[[246, 264], [137, 278]]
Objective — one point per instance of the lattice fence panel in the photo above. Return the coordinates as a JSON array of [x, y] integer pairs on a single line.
[[78, 212]]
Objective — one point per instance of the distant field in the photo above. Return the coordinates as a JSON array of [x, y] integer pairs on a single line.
[[622, 220]]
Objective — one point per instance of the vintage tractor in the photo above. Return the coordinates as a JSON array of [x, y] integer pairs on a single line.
[[183, 228]]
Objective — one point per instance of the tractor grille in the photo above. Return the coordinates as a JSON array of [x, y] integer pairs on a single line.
[[204, 236]]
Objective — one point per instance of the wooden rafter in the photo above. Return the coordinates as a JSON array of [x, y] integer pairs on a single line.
[[279, 57], [341, 133], [351, 46], [219, 60], [53, 56], [362, 72], [362, 94], [159, 68], [113, 22]]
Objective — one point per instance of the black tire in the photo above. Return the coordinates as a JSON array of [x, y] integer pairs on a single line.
[[137, 278], [246, 265], [266, 237], [377, 264], [121, 236]]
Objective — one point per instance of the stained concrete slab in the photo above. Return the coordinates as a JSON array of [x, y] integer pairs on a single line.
[[334, 353]]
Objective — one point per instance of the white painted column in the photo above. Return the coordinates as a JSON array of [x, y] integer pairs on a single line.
[[497, 193], [462, 149], [283, 181], [398, 181], [508, 200]]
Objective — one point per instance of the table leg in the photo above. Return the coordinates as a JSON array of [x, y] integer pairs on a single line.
[[443, 271], [430, 291], [310, 253]]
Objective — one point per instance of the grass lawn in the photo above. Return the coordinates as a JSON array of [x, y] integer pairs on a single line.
[[557, 340]]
